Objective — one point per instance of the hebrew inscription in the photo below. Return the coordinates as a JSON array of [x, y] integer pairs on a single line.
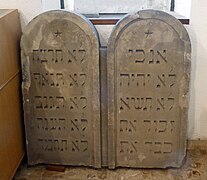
[[60, 57], [148, 91]]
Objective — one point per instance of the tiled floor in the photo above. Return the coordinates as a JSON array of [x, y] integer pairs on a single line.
[[195, 167]]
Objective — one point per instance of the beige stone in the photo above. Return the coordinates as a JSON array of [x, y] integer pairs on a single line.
[[148, 84], [60, 58]]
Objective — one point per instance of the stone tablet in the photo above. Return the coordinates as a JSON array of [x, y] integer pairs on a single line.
[[60, 58], [148, 84]]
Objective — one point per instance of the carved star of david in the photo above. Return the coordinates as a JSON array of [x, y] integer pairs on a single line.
[[148, 33], [58, 34]]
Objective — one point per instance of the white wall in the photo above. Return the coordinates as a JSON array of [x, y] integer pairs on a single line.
[[198, 103], [183, 7], [29, 8], [69, 4], [50, 4], [198, 34]]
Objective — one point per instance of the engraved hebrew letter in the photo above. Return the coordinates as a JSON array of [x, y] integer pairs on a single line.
[[42, 55], [83, 101], [64, 145], [74, 79], [38, 102], [124, 103], [124, 77], [162, 126], [160, 104], [82, 79], [171, 102], [50, 55], [75, 146], [162, 56], [158, 148], [82, 55], [139, 56], [58, 55], [60, 102], [35, 55], [172, 79], [37, 78], [167, 147], [161, 81], [84, 145], [60, 79]]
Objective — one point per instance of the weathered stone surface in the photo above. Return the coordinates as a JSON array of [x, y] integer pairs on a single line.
[[60, 58], [148, 83]]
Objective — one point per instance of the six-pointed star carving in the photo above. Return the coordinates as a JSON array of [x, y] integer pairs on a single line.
[[148, 33], [58, 33]]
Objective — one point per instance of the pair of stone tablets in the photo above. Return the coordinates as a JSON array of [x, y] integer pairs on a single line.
[[148, 69]]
